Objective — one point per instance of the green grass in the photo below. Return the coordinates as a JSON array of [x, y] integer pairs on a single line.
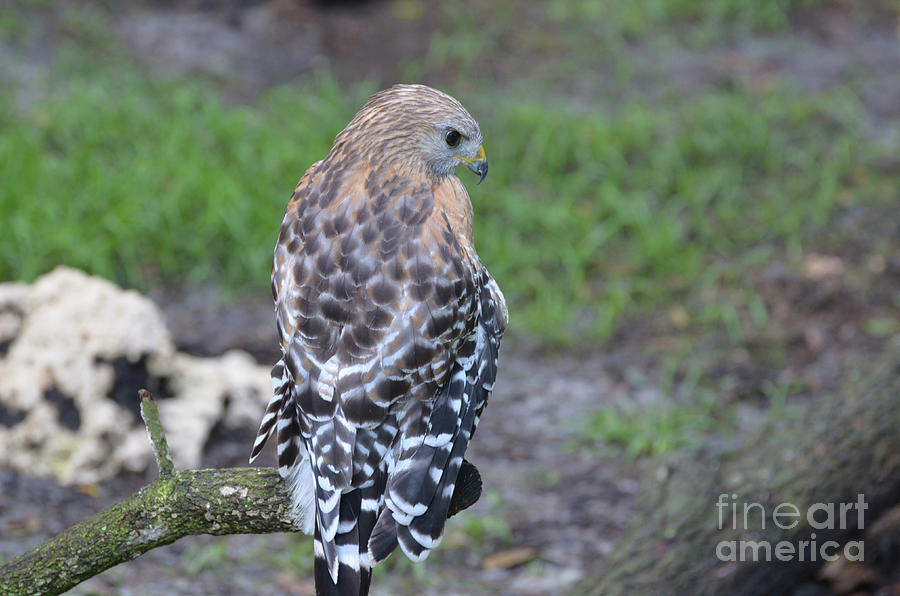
[[295, 557], [587, 214], [678, 409], [653, 430], [570, 40], [208, 556], [157, 183], [709, 19], [290, 554], [593, 210], [591, 214]]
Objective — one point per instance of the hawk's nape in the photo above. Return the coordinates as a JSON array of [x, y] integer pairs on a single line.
[[390, 328]]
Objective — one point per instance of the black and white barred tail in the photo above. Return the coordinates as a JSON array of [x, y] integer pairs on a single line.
[[416, 459], [342, 566]]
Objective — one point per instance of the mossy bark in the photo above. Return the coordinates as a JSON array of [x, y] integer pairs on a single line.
[[228, 501], [832, 451]]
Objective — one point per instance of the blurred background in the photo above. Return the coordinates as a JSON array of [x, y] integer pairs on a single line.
[[692, 210]]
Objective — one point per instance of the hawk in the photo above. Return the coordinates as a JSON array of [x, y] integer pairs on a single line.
[[390, 328]]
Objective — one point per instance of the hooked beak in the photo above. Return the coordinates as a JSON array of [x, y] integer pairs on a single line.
[[479, 165]]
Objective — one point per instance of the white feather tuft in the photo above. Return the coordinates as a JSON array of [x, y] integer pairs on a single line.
[[301, 484]]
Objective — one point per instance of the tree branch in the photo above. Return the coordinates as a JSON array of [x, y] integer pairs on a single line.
[[150, 414], [177, 504], [233, 501]]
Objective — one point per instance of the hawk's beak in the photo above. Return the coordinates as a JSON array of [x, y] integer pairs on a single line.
[[479, 165]]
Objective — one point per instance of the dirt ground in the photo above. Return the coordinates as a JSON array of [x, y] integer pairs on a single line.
[[543, 490]]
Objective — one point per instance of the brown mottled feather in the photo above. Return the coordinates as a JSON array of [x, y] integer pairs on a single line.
[[379, 294]]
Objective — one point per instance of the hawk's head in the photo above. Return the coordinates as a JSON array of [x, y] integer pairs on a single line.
[[418, 127]]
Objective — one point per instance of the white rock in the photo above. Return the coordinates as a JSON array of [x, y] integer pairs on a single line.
[[65, 336]]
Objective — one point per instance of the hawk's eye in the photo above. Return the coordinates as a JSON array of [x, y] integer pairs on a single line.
[[453, 137]]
